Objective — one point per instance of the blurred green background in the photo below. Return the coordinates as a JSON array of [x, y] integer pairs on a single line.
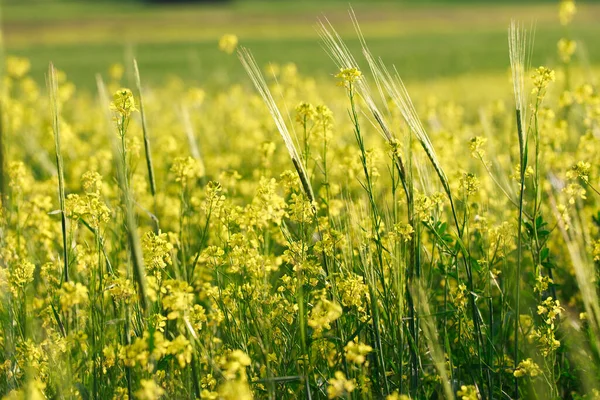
[[424, 39]]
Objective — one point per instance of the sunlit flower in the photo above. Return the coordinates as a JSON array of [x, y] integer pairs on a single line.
[[228, 43], [123, 103]]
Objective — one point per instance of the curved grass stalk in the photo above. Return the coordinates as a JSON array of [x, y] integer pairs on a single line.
[[3, 92], [193, 143], [249, 64], [432, 340], [2, 158], [135, 248], [399, 95], [518, 50], [341, 56], [397, 91], [147, 151], [53, 92]]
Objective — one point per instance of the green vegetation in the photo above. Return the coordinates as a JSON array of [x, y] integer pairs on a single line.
[[424, 42], [315, 232]]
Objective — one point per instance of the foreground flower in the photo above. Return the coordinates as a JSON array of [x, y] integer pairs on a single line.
[[467, 393], [356, 352], [149, 390], [348, 76], [340, 385], [123, 102], [527, 367]]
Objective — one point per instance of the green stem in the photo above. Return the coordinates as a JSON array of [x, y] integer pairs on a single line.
[[53, 89], [523, 161]]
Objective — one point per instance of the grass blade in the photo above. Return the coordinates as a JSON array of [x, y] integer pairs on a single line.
[[53, 92], [148, 153]]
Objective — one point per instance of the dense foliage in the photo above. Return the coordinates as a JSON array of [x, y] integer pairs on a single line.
[[164, 242]]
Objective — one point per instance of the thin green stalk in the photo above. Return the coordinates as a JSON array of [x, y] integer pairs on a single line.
[[305, 135], [120, 153], [523, 159], [413, 323], [303, 323], [261, 86], [3, 91], [145, 130], [53, 91], [2, 158], [376, 230], [326, 174]]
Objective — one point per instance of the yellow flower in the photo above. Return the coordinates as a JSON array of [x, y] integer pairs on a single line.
[[305, 112], [356, 352], [228, 43], [542, 283], [22, 275], [469, 183], [72, 294], [566, 49], [467, 393], [397, 396], [404, 231], [235, 390], [340, 385], [90, 207], [178, 297], [17, 67], [566, 11], [460, 297], [354, 292], [596, 250], [181, 348], [542, 76], [575, 192], [475, 145], [185, 169], [149, 390], [527, 367], [580, 170], [157, 251], [116, 72], [123, 102], [121, 289], [324, 116], [323, 314], [33, 390], [550, 309], [348, 76]]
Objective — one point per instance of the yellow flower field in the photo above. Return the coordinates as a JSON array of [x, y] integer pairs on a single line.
[[291, 238]]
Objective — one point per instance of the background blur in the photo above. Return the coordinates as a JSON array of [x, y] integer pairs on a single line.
[[424, 39]]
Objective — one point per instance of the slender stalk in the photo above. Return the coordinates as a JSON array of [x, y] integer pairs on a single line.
[[376, 223], [145, 130], [53, 92], [2, 157], [3, 93], [517, 43], [261, 86], [519, 244]]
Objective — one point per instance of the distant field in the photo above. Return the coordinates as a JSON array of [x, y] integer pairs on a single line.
[[425, 42]]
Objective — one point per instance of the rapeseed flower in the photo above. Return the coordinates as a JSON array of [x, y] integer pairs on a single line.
[[340, 386], [348, 76], [123, 103], [228, 43]]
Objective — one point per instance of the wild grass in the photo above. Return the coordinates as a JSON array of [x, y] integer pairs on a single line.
[[294, 239]]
